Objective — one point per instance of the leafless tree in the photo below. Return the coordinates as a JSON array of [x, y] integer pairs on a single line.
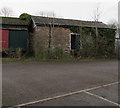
[[50, 16], [113, 23], [96, 17], [41, 13], [6, 12]]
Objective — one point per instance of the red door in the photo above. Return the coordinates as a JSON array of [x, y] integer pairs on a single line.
[[4, 39]]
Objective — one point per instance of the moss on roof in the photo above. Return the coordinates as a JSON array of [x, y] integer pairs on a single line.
[[13, 21]]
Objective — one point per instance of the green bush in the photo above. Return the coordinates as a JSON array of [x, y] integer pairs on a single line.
[[43, 55], [26, 18], [58, 53]]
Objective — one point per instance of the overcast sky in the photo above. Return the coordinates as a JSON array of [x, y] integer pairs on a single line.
[[72, 9]]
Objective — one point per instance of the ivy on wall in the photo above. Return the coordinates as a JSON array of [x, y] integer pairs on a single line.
[[92, 46]]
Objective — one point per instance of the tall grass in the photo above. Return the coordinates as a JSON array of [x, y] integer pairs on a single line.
[[52, 54]]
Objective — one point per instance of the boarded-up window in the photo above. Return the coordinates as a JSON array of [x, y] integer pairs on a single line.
[[18, 39]]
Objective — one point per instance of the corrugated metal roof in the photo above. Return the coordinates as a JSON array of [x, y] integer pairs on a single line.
[[67, 22], [12, 21]]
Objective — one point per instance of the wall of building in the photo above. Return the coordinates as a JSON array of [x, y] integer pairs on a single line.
[[60, 38]]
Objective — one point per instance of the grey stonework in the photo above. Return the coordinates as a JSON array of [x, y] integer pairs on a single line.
[[60, 38], [40, 40]]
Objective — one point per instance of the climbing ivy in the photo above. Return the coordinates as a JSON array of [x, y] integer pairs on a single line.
[[92, 46], [26, 18]]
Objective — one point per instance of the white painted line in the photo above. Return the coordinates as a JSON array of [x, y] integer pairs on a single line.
[[110, 84], [102, 98], [64, 95]]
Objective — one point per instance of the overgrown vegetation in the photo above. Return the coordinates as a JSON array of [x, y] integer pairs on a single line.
[[92, 46], [71, 59], [50, 55]]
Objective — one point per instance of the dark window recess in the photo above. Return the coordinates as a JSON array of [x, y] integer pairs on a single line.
[[75, 41]]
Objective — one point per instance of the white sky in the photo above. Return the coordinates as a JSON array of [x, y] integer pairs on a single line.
[[72, 9]]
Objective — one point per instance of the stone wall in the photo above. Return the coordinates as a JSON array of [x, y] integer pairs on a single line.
[[59, 39]]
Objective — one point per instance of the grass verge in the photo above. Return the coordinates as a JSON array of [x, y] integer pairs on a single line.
[[33, 59]]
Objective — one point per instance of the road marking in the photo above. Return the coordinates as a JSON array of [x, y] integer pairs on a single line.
[[64, 95], [102, 98]]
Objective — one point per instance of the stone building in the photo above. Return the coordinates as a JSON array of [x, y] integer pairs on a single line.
[[52, 33]]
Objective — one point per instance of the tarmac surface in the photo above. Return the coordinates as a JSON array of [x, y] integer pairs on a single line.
[[60, 84]]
